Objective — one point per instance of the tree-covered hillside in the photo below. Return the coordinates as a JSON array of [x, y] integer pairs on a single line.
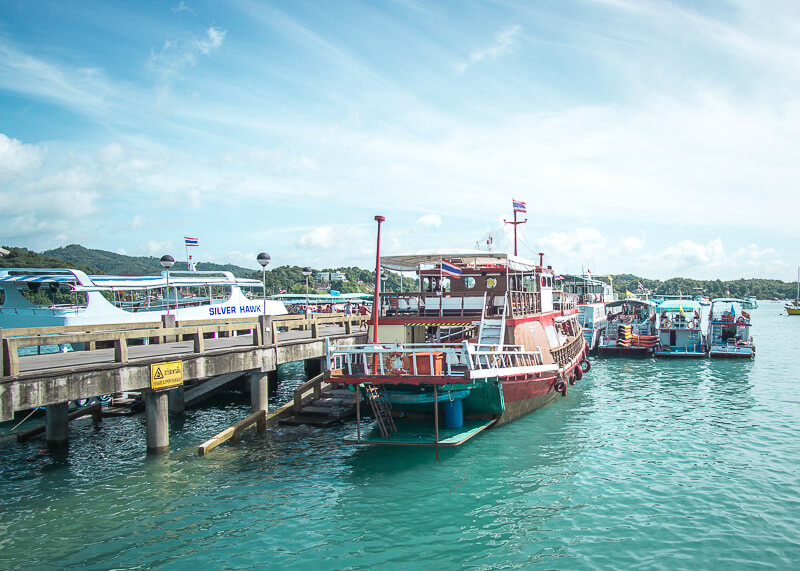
[[291, 279], [112, 263]]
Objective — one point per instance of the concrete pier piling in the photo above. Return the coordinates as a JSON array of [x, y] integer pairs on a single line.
[[259, 390], [156, 405], [57, 424], [176, 401]]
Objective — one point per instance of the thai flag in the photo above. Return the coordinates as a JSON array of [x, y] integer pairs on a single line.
[[519, 206], [450, 269], [281, 290], [191, 241], [640, 286]]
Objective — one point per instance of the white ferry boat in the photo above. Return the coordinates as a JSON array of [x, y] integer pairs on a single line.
[[35, 297], [593, 295]]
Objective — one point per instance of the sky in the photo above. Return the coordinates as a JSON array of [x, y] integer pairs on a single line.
[[654, 138]]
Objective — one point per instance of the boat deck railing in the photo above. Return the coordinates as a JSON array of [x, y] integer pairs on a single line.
[[564, 300], [426, 359]]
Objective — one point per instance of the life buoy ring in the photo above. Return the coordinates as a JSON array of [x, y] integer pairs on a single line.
[[666, 323], [391, 361], [585, 366], [691, 325], [741, 320]]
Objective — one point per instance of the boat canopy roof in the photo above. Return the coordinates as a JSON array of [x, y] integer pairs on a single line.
[[318, 297], [633, 300], [678, 304], [726, 300], [82, 282], [464, 259], [572, 278]]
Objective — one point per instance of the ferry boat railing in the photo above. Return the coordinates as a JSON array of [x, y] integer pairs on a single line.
[[427, 360], [564, 300], [430, 304], [524, 302], [565, 354]]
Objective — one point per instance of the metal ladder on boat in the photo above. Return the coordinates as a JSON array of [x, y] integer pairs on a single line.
[[381, 409], [491, 330]]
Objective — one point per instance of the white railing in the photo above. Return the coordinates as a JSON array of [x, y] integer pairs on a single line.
[[435, 359]]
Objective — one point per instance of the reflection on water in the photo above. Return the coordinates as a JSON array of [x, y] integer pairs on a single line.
[[646, 463]]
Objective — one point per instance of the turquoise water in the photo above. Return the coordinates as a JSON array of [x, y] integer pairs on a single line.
[[645, 464]]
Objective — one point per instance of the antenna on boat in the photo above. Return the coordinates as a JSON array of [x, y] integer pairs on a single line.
[[518, 206]]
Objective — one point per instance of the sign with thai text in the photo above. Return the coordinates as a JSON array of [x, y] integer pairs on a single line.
[[166, 375]]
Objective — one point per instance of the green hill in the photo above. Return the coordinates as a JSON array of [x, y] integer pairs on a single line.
[[111, 263]]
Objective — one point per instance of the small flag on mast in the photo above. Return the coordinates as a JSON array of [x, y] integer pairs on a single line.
[[191, 241], [450, 269], [519, 206]]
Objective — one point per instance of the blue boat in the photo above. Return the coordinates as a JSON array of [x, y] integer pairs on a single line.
[[679, 329], [729, 330]]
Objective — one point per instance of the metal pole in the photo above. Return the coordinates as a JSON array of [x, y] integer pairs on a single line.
[[515, 232], [264, 279], [358, 412], [376, 301], [436, 419]]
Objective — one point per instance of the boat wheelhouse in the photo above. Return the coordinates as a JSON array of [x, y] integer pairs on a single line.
[[485, 340], [593, 295], [35, 297], [630, 328], [679, 329], [750, 302], [729, 333]]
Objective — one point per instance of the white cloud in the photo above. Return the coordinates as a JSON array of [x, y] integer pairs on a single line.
[[177, 54], [503, 44], [17, 158], [428, 221]]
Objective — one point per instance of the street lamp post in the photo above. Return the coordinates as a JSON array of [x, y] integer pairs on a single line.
[[264, 259], [306, 273], [376, 301], [167, 262]]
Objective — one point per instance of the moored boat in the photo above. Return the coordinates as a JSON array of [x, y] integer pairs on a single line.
[[750, 302], [33, 297], [484, 341], [793, 307], [729, 330], [593, 295], [679, 329], [630, 328]]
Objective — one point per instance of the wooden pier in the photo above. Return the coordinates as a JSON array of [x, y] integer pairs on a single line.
[[125, 357]]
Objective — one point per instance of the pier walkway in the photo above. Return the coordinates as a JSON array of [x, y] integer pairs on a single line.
[[126, 358]]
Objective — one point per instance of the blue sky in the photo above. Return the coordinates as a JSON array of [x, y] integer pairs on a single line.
[[656, 138]]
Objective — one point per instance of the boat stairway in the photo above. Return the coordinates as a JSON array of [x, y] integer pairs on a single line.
[[335, 405], [381, 409], [491, 332]]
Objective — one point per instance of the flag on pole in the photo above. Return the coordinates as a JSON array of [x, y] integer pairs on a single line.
[[628, 294], [680, 308], [640, 286], [519, 206], [451, 270], [281, 290], [190, 241]]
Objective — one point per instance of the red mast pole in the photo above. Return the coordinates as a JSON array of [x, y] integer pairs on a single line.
[[376, 302], [515, 223]]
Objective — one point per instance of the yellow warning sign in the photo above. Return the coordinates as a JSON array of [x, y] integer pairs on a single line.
[[166, 375]]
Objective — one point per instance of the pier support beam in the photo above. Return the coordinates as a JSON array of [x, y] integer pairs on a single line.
[[176, 402], [259, 390], [314, 367], [57, 423], [156, 405]]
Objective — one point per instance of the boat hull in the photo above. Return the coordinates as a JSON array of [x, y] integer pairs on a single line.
[[523, 397], [676, 353]]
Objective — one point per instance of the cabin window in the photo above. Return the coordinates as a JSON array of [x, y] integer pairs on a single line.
[[445, 284], [426, 284], [52, 295], [469, 282]]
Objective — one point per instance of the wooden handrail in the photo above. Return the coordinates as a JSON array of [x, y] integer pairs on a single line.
[[9, 345], [314, 384]]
